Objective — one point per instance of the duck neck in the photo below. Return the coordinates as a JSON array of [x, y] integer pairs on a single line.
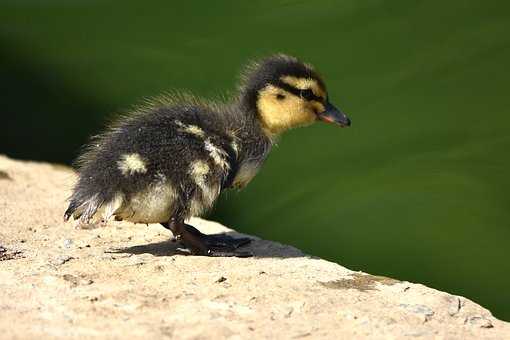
[[254, 144], [247, 104]]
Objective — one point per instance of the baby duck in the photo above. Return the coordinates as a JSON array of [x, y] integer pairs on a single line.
[[171, 158]]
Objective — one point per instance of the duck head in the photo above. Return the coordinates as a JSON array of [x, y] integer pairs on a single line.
[[286, 93]]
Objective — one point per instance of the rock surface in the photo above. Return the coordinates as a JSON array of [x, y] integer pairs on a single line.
[[129, 281]]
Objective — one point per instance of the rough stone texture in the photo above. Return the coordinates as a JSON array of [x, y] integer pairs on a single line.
[[128, 281]]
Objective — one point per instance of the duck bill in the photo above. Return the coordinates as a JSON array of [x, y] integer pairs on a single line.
[[334, 116]]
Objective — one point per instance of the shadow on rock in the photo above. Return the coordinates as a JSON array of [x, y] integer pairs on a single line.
[[259, 248]]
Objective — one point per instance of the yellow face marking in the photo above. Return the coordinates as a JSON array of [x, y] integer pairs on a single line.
[[278, 115], [130, 164], [304, 84], [318, 107]]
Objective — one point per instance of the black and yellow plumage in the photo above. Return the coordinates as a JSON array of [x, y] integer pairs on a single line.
[[170, 159]]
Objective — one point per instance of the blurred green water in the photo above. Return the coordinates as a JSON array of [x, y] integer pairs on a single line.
[[417, 189]]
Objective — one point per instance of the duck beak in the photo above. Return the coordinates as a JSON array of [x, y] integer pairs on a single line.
[[334, 115]]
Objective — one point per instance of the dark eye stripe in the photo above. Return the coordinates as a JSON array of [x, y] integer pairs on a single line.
[[307, 93]]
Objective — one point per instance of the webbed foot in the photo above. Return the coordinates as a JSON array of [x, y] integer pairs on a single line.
[[217, 245]]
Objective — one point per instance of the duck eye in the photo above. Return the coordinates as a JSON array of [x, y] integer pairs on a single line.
[[280, 96], [307, 94]]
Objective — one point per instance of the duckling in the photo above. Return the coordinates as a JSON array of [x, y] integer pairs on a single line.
[[171, 158]]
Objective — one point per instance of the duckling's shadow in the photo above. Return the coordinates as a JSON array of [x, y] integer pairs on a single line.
[[259, 248]]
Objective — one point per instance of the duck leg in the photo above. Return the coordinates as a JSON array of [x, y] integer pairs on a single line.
[[207, 245]]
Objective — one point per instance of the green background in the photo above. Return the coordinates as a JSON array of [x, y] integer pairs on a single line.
[[418, 188]]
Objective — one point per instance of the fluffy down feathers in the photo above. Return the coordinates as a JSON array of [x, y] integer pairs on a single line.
[[173, 155]]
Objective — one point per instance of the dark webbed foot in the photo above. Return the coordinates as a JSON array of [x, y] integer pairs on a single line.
[[219, 245], [224, 240], [212, 245]]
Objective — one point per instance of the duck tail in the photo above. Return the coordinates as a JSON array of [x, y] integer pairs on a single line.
[[82, 209]]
